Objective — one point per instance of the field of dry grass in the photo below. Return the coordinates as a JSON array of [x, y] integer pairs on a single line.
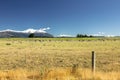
[[54, 59]]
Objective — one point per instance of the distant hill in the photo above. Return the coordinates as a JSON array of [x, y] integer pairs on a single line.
[[9, 34]]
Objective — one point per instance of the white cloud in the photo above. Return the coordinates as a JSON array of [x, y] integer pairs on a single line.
[[30, 30], [64, 35], [103, 34], [7, 30], [110, 36], [99, 34]]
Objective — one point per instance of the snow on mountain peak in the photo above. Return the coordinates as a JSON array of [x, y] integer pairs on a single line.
[[30, 30]]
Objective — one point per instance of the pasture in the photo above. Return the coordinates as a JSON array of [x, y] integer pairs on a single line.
[[59, 58]]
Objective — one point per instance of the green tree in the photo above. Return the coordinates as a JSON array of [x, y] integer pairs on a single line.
[[78, 36], [85, 35], [91, 36], [81, 35], [31, 35]]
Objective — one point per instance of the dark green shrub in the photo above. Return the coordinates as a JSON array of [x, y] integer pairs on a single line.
[[31, 35]]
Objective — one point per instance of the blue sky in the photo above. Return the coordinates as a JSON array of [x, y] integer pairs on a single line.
[[62, 16]]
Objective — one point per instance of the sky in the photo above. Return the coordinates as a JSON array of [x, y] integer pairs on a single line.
[[63, 17]]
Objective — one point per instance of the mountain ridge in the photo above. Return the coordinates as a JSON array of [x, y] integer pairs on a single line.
[[10, 33]]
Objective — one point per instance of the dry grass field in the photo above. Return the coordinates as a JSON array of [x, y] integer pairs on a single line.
[[59, 58]]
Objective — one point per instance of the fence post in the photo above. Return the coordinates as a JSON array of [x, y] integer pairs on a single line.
[[93, 61]]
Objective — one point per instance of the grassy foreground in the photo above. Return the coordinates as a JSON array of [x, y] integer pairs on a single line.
[[58, 74], [54, 59]]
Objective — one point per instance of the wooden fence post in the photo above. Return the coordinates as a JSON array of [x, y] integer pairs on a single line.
[[93, 61]]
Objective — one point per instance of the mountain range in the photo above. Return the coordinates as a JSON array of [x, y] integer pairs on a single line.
[[20, 34]]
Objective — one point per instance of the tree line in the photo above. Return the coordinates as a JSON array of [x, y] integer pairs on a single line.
[[32, 35], [83, 36]]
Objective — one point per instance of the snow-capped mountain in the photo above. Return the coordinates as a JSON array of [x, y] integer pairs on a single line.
[[25, 33]]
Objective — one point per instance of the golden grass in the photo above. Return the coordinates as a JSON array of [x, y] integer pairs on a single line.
[[50, 59], [58, 74]]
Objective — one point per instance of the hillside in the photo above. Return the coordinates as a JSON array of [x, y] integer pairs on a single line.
[[8, 34]]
